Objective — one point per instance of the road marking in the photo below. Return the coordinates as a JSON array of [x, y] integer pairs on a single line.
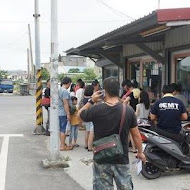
[[3, 157], [11, 135]]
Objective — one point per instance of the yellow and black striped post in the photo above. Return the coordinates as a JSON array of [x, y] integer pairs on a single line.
[[39, 115], [39, 98]]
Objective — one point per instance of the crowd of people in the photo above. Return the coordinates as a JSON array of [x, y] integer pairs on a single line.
[[100, 111]]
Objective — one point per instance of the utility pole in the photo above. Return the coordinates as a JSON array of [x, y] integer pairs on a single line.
[[31, 55], [54, 122], [158, 4], [28, 65], [55, 159], [39, 130]]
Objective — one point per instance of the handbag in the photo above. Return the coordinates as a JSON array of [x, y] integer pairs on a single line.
[[45, 102], [110, 147]]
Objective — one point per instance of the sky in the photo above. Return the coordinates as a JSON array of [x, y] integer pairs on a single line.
[[79, 22]]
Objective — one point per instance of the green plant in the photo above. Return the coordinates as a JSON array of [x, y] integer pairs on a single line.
[[89, 74], [45, 74], [3, 74]]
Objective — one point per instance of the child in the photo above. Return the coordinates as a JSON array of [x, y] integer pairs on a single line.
[[89, 133], [143, 108], [74, 123]]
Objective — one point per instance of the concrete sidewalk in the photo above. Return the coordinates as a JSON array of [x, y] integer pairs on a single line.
[[79, 171], [82, 173]]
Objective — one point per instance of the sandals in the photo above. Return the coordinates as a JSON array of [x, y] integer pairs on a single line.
[[65, 148], [76, 145]]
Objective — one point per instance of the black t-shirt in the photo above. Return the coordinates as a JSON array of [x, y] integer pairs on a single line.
[[168, 111], [86, 98], [47, 92], [106, 120], [47, 95], [133, 101]]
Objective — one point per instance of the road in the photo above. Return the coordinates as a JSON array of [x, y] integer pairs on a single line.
[[24, 154], [24, 171]]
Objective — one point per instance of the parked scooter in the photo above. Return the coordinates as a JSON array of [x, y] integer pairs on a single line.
[[145, 124], [165, 154]]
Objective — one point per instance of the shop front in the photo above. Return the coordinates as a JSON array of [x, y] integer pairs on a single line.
[[148, 73], [153, 50]]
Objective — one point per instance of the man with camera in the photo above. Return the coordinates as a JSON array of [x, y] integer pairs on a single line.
[[106, 118]]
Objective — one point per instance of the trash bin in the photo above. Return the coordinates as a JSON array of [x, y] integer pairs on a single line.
[[24, 90]]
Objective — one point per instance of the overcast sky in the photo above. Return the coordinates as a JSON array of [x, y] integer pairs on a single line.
[[80, 21]]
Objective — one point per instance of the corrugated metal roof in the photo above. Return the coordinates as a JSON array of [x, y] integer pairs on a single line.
[[116, 32]]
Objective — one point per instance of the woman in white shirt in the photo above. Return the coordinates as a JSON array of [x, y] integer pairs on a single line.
[[72, 89], [80, 95], [143, 108]]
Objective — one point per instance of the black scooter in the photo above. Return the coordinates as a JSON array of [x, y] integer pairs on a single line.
[[165, 154]]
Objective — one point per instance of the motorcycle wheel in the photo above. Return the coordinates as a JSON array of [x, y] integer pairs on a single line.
[[150, 171]]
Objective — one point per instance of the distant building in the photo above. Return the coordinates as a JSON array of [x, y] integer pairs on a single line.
[[18, 75], [69, 62]]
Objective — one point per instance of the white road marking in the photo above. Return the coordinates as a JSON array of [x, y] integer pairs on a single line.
[[3, 157], [11, 135]]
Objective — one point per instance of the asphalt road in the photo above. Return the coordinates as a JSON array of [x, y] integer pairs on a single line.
[[24, 170]]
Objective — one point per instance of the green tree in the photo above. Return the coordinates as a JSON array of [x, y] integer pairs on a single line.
[[61, 76], [76, 77], [89, 74], [45, 74], [3, 74], [74, 70]]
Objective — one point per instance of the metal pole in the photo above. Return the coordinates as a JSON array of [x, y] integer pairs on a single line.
[[54, 122], [158, 4], [39, 130], [31, 55], [55, 159], [28, 65]]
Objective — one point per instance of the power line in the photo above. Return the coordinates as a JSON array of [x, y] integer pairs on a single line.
[[115, 10], [72, 21]]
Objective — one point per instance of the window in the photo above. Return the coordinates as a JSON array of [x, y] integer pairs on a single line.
[[183, 75], [152, 75], [111, 71], [135, 71]]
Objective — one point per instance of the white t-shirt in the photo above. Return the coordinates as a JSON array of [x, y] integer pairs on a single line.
[[72, 93], [143, 112], [80, 96]]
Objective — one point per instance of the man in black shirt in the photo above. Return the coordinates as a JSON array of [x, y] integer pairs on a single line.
[[47, 90], [106, 119], [47, 95], [168, 112]]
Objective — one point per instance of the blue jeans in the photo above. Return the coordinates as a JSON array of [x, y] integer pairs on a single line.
[[62, 123], [104, 174], [73, 133]]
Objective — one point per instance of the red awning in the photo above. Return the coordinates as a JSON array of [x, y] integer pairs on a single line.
[[167, 15]]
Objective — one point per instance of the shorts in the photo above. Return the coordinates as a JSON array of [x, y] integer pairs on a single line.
[[89, 126], [62, 123], [104, 174]]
